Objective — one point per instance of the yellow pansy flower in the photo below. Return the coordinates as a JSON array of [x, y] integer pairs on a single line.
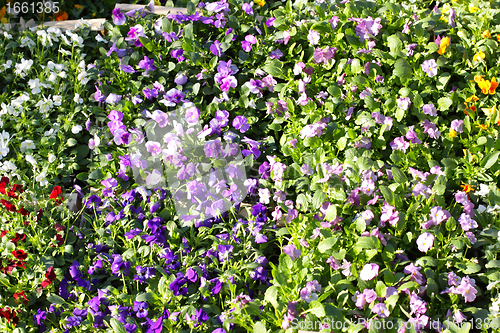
[[479, 56], [445, 42]]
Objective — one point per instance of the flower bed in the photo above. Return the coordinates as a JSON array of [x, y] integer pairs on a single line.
[[254, 167]]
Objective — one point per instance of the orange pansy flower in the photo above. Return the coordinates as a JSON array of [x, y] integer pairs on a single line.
[[486, 34], [467, 188], [61, 16], [493, 86]]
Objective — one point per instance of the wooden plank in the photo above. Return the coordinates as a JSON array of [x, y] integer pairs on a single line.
[[160, 10]]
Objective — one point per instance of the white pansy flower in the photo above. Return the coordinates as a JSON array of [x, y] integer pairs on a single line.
[[23, 67], [8, 64], [78, 99], [82, 77], [49, 132], [52, 158], [54, 30], [27, 144], [26, 41], [35, 85], [62, 74], [76, 129], [99, 38], [57, 100], [45, 37], [8, 166], [484, 190], [63, 51], [31, 160], [7, 35], [42, 178], [494, 209], [45, 105], [481, 209], [52, 77], [4, 147]]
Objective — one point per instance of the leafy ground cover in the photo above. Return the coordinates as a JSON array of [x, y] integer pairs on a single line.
[[255, 167]]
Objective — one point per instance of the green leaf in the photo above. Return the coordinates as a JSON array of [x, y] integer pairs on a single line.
[[191, 8], [371, 242], [398, 175], [490, 160], [334, 91], [356, 66], [318, 199], [317, 309], [188, 32], [147, 43], [272, 295], [117, 326], [402, 70], [394, 44], [426, 262], [145, 297], [274, 68], [342, 143], [388, 195], [360, 80], [259, 328], [327, 244], [444, 103], [303, 201], [442, 80], [71, 142], [331, 213], [56, 299], [166, 26], [400, 113], [493, 264]]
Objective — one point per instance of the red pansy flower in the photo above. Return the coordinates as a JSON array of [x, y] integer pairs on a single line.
[[20, 254], [23, 212], [21, 297], [59, 227], [59, 239], [10, 315], [8, 205], [3, 233], [3, 184], [57, 192], [39, 215], [50, 277], [18, 237]]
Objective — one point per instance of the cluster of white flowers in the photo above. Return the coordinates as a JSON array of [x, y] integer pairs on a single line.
[[73, 38], [495, 307], [45, 105], [56, 70], [23, 68], [4, 144], [15, 107], [9, 168], [82, 74], [49, 36]]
